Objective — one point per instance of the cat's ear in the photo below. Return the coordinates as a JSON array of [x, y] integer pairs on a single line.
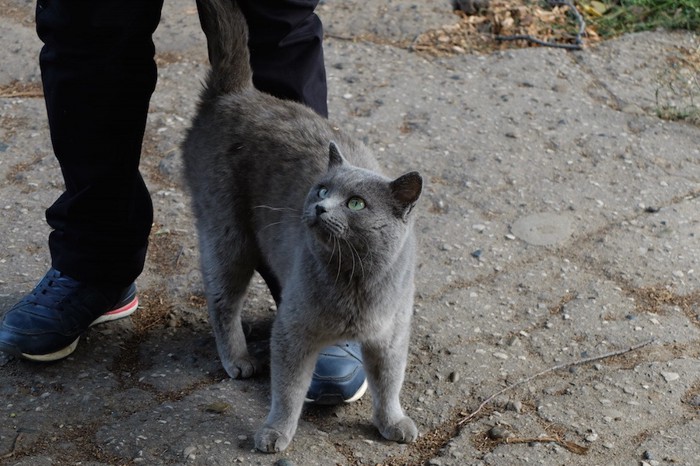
[[335, 158], [406, 190]]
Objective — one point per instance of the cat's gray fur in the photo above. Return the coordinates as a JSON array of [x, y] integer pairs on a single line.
[[256, 166]]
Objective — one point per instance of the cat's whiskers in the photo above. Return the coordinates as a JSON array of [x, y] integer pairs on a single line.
[[353, 253], [280, 222], [352, 256], [262, 206], [359, 259], [340, 258]]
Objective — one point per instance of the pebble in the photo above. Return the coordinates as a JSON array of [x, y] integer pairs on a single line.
[[284, 462], [188, 452], [670, 376], [500, 355], [498, 432], [516, 406], [453, 377]]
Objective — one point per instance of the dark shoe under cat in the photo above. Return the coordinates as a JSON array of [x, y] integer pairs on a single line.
[[47, 323], [338, 376]]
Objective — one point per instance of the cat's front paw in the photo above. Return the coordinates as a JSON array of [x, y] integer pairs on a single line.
[[403, 431], [270, 440], [241, 368]]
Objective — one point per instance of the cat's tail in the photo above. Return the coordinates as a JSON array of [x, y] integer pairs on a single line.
[[227, 41]]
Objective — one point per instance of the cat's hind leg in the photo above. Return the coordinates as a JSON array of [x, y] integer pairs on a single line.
[[227, 268], [385, 363]]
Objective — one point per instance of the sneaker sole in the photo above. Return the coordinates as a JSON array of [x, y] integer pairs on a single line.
[[55, 356], [359, 393], [120, 313], [333, 400], [114, 314]]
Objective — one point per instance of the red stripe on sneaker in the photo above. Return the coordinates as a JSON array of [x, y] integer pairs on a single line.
[[130, 306]]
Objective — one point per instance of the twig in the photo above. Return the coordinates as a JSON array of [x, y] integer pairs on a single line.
[[28, 94], [179, 255], [578, 42], [470, 416]]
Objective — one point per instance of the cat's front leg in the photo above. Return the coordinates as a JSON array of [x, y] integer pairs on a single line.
[[292, 359], [385, 363]]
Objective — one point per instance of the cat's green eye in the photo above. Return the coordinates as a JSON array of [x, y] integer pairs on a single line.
[[323, 192], [356, 203]]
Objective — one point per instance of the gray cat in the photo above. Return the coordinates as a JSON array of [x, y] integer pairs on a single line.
[[332, 237]]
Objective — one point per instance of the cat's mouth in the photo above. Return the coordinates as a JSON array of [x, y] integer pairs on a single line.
[[326, 229]]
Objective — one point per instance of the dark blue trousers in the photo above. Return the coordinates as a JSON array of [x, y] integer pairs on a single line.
[[98, 73]]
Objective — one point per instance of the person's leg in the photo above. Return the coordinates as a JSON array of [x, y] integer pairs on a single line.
[[98, 74], [286, 50], [286, 54]]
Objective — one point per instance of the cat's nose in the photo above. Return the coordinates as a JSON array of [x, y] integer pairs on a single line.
[[320, 209]]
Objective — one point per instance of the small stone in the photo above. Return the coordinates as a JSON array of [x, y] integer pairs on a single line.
[[498, 433], [217, 407], [500, 355], [647, 455], [670, 376], [476, 254], [453, 377], [188, 452], [516, 406], [592, 437], [284, 462]]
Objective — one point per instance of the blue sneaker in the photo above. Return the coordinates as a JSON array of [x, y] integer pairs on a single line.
[[47, 323], [338, 376]]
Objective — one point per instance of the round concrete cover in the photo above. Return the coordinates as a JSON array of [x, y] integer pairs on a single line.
[[543, 229]]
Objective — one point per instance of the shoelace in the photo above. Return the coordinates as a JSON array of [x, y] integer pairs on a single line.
[[52, 289]]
